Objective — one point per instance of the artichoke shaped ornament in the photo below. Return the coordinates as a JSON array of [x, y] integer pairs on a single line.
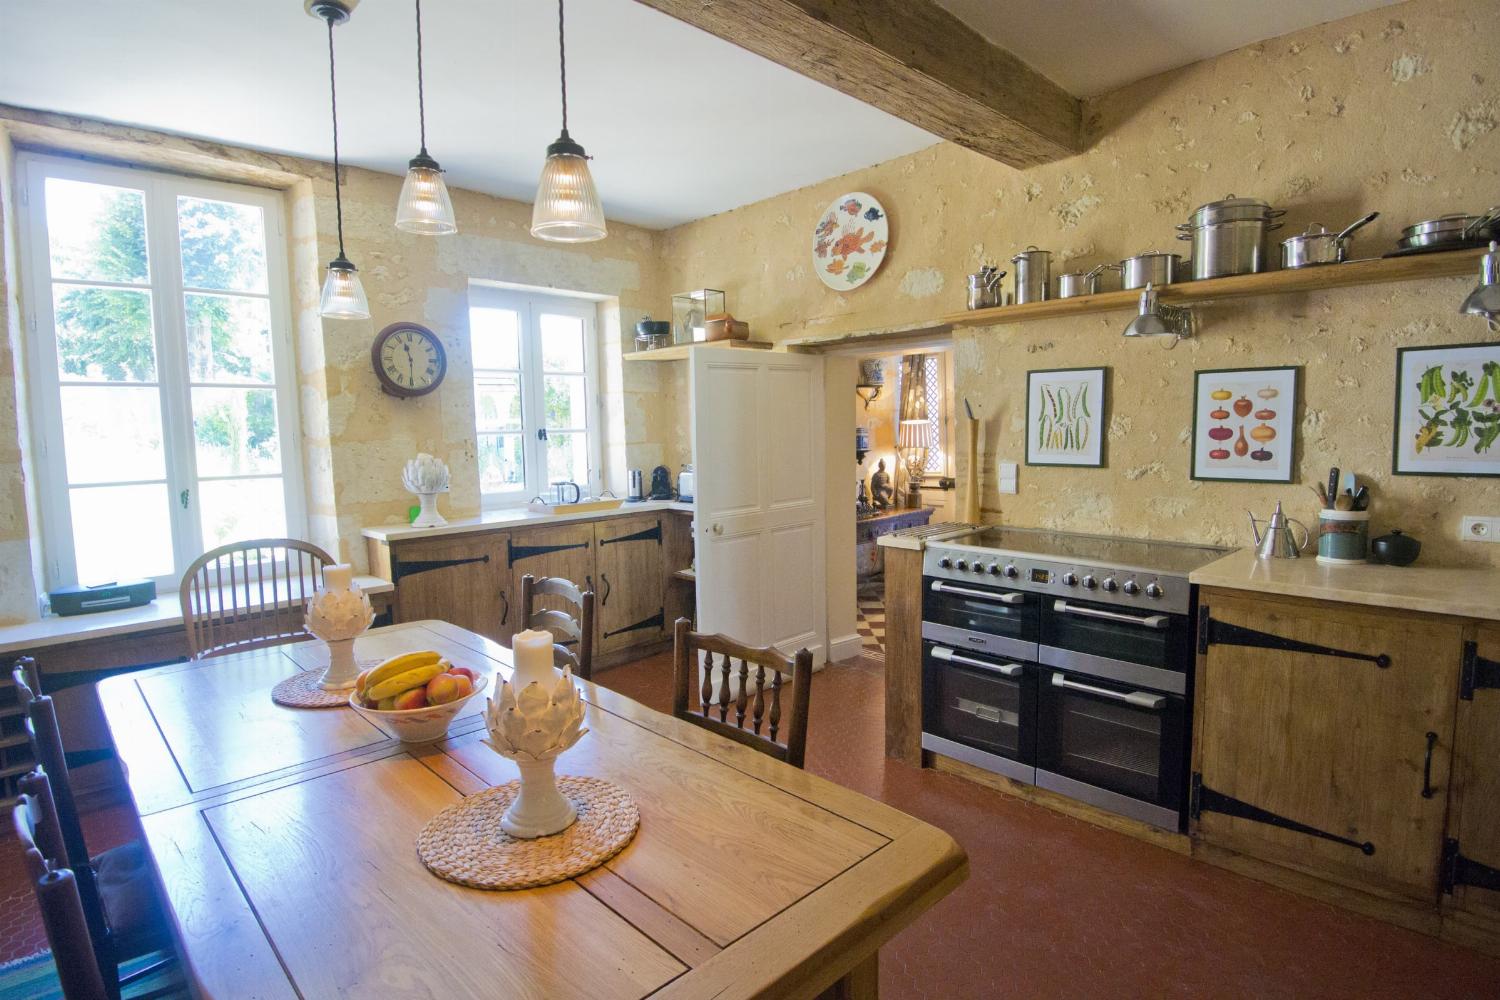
[[535, 724], [339, 614]]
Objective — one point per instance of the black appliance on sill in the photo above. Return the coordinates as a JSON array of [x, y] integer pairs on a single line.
[[1065, 661]]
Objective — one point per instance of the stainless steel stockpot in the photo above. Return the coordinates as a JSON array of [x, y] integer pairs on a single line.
[[1231, 236], [1033, 275]]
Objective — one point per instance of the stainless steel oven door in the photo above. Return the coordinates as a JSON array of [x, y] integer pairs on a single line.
[[981, 619], [1153, 649], [980, 709], [1116, 746]]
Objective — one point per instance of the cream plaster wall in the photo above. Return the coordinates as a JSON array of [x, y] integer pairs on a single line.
[[1393, 110]]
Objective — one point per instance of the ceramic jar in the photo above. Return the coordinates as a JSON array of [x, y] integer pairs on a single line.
[[1343, 536]]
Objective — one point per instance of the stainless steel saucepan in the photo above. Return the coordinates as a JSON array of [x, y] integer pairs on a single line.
[[1459, 229], [1318, 246]]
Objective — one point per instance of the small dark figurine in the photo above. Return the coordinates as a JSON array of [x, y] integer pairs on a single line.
[[862, 506], [882, 492]]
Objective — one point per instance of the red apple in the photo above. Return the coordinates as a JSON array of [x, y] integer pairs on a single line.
[[415, 698], [468, 672]]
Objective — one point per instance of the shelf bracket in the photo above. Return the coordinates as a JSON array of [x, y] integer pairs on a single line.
[[1204, 799], [1220, 633]]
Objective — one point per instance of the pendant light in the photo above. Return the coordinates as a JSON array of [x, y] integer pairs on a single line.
[[424, 206], [1157, 319], [343, 295], [567, 207]]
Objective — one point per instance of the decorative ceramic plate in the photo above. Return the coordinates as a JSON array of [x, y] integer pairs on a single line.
[[850, 241]]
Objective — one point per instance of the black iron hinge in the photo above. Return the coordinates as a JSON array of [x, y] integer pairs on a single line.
[[1459, 870], [1217, 633], [645, 535], [658, 620], [518, 552], [1204, 799], [401, 568], [1476, 672]]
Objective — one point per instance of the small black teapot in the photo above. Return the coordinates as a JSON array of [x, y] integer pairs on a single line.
[[1396, 549]]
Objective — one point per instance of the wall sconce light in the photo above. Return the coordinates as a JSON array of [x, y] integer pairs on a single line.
[[1484, 300], [1156, 319], [871, 381]]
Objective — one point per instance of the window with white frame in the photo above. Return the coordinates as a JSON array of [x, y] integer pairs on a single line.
[[535, 410], [160, 369]]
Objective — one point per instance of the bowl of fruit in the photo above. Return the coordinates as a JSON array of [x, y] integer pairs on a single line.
[[416, 696]]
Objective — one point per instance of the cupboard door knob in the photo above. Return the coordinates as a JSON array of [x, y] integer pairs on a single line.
[[1432, 739], [718, 529]]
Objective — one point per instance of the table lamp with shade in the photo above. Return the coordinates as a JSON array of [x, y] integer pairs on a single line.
[[914, 440]]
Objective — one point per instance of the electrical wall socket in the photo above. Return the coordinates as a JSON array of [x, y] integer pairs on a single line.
[[1480, 529], [1007, 477]]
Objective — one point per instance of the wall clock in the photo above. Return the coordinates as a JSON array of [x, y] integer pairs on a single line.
[[409, 360]]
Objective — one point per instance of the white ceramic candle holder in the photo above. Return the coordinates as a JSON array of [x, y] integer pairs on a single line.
[[338, 613], [532, 720], [426, 476]]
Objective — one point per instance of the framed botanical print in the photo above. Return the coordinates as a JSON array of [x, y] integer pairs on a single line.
[[1447, 411], [1244, 424], [1065, 416]]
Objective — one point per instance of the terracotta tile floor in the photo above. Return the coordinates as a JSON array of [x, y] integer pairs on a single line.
[[1056, 907]]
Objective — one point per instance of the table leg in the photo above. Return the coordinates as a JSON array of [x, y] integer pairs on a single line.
[[861, 982]]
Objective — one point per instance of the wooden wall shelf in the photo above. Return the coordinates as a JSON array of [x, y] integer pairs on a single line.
[[681, 352], [1376, 270]]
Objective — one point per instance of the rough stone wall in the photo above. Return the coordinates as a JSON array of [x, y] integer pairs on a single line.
[[1394, 110]]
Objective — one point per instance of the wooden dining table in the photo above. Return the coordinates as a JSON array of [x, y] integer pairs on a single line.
[[285, 843]]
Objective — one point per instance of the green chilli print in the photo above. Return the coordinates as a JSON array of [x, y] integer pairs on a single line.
[[1065, 418]]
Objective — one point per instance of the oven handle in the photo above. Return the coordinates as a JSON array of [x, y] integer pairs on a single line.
[[1140, 699], [939, 587], [953, 656], [1150, 621]]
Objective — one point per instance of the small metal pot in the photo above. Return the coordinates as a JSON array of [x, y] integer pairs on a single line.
[[1318, 246], [1231, 236], [1152, 268], [1076, 283], [984, 288], [1456, 229], [1033, 275]]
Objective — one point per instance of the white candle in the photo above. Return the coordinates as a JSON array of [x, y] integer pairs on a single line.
[[533, 653], [338, 576]]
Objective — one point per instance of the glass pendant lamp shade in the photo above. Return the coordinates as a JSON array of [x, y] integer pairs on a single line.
[[424, 206], [567, 207], [343, 295]]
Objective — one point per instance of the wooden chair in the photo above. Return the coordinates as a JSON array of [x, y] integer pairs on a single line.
[[56, 892], [116, 889], [740, 690], [566, 628], [246, 595]]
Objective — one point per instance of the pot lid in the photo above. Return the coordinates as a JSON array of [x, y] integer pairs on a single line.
[[1316, 231], [1030, 251], [1145, 254], [1232, 209]]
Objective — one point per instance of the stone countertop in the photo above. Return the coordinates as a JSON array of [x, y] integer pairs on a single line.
[[515, 517], [1466, 593], [164, 612]]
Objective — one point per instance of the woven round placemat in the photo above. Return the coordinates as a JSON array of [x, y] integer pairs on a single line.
[[302, 691], [464, 843]]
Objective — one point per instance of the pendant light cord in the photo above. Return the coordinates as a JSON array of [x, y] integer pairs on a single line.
[[562, 62], [421, 103], [333, 95]]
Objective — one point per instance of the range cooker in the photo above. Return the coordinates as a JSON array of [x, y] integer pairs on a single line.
[[1064, 660]]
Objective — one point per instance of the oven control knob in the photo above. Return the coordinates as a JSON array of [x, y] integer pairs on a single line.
[[980, 569], [961, 564], [1011, 572], [1109, 584], [1131, 587], [994, 569], [1070, 578], [945, 563], [1153, 589], [1089, 583]]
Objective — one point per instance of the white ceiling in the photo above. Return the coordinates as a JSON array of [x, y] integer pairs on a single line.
[[1090, 47], [681, 124]]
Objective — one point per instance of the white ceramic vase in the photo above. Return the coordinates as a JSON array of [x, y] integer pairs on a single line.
[[429, 516]]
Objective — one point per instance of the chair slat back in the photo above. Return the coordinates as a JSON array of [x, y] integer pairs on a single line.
[[247, 595], [574, 633], [752, 686], [56, 890], [47, 750]]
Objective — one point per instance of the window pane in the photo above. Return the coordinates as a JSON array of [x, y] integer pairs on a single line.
[[567, 402], [567, 458], [502, 468], [562, 343], [112, 433], [235, 432], [229, 339], [105, 551], [104, 334], [495, 336], [497, 402], [237, 510], [95, 231], [223, 245]]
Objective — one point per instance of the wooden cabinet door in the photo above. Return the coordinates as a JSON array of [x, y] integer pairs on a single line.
[[565, 550], [1474, 832], [1307, 749], [461, 579], [630, 597]]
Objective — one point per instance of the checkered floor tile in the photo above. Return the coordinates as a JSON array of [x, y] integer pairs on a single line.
[[872, 625]]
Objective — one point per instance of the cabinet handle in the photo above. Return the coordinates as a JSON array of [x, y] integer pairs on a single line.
[[604, 601], [1432, 739], [505, 614]]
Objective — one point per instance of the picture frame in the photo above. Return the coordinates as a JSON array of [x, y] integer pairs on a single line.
[[1446, 425], [1245, 424], [1066, 416]]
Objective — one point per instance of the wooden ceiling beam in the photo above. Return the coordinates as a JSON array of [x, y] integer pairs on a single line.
[[910, 58]]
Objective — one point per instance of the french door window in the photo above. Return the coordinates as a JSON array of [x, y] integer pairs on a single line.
[[161, 374], [535, 414]]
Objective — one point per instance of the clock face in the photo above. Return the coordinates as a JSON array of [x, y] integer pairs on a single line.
[[409, 359]]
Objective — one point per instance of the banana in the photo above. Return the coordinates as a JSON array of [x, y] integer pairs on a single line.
[[405, 681], [399, 665]]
